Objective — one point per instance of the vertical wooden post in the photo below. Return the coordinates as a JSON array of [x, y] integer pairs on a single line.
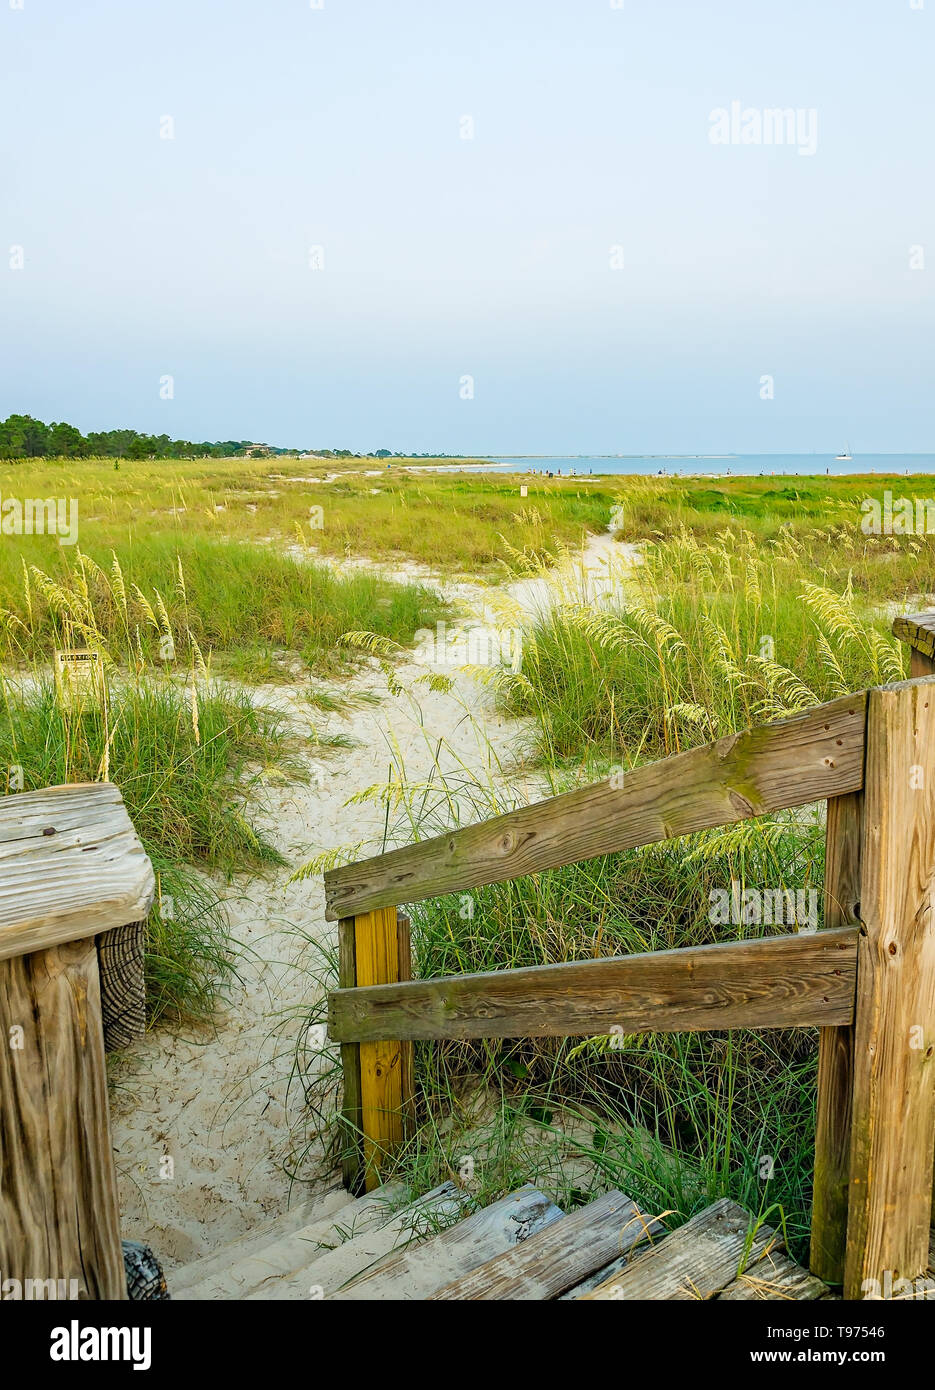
[[374, 950], [893, 1115], [835, 1053], [919, 633], [58, 1190], [72, 874], [351, 1165], [406, 1054], [920, 664]]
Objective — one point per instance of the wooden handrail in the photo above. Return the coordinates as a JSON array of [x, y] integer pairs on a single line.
[[814, 755], [71, 866], [918, 631], [770, 982]]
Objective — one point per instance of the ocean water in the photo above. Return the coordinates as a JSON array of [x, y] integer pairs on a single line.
[[723, 465]]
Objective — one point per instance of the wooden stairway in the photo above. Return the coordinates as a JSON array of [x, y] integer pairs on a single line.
[[522, 1247]]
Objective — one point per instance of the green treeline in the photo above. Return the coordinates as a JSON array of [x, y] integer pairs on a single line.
[[22, 437]]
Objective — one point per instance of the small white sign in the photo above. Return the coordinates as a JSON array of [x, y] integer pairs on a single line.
[[79, 676]]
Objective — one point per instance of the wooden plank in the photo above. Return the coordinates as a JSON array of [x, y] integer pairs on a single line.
[[558, 1257], [71, 866], [893, 1128], [418, 1271], [772, 982], [120, 959], [376, 946], [775, 1276], [58, 1192], [695, 1262], [352, 1152], [835, 1054], [918, 629], [807, 758]]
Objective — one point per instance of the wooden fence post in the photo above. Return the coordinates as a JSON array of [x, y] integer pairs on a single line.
[[918, 631], [893, 1100], [835, 1053], [351, 1165], [71, 869], [374, 949]]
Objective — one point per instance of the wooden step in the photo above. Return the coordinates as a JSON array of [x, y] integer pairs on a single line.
[[519, 1248], [417, 1271], [558, 1257], [713, 1253], [776, 1275]]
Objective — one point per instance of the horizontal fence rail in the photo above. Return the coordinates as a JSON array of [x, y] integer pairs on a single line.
[[815, 755], [771, 982]]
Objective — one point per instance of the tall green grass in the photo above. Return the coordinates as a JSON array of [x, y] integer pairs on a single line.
[[700, 639], [234, 599]]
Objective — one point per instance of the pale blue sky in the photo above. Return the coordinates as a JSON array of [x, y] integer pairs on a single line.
[[339, 127]]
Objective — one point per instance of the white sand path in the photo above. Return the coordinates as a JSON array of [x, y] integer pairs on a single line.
[[216, 1104]]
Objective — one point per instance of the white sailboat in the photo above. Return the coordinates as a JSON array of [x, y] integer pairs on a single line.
[[845, 457]]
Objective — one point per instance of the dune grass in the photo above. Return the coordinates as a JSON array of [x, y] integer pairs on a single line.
[[700, 639], [239, 601]]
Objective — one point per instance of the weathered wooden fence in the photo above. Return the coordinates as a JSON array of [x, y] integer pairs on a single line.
[[75, 887], [867, 980]]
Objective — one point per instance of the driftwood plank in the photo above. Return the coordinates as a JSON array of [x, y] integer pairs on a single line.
[[695, 1262], [893, 1127], [420, 1270], [71, 866], [835, 1054], [775, 1276], [558, 1257], [58, 1191], [773, 982], [812, 756]]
